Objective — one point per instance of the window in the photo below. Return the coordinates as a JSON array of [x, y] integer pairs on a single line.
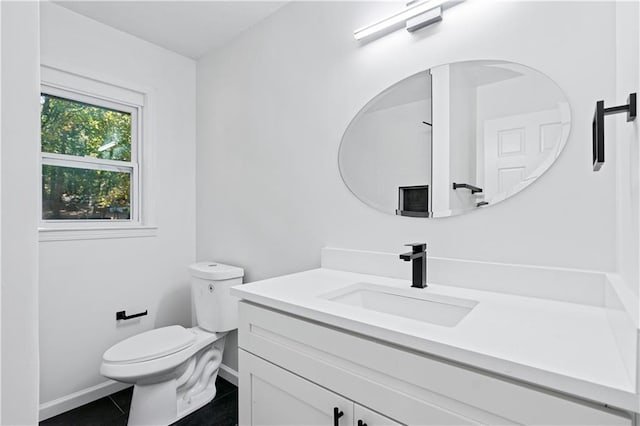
[[89, 150]]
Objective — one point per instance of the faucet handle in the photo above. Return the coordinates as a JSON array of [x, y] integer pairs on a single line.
[[417, 247]]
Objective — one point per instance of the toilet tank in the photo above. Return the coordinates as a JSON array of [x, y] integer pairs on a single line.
[[216, 309]]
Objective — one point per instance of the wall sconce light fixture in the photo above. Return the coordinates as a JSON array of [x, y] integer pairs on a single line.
[[418, 14]]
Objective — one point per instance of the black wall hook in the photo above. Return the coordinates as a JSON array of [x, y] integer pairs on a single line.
[[598, 126]]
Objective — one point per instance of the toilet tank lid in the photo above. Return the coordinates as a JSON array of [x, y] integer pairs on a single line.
[[215, 271], [151, 344]]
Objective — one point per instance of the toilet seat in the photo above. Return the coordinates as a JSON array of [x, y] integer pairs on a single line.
[[150, 345], [156, 367]]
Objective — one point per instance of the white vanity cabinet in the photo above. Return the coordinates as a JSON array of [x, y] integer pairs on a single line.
[[278, 397], [294, 371]]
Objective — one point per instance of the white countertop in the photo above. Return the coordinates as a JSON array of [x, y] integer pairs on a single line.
[[564, 346]]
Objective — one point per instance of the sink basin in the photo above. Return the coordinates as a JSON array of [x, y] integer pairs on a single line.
[[406, 303]]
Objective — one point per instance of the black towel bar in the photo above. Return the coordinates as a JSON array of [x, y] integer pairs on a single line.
[[121, 315], [473, 189]]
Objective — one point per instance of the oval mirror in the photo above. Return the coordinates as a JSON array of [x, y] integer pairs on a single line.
[[454, 138]]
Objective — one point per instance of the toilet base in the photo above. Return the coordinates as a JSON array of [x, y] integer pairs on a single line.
[[168, 401]]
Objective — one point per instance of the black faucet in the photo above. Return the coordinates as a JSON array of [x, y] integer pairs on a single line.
[[419, 266]]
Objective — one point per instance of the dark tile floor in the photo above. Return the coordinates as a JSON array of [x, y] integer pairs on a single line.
[[113, 410]]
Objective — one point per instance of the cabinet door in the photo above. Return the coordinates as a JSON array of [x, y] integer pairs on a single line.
[[270, 395], [365, 417]]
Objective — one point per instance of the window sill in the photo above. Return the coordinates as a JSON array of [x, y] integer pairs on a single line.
[[96, 233]]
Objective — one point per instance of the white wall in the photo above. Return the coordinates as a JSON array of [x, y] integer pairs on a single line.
[[626, 140], [441, 136], [627, 81], [273, 105], [1, 211], [462, 138], [20, 180], [536, 93], [84, 283]]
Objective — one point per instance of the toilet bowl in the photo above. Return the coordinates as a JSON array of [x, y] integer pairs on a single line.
[[174, 369]]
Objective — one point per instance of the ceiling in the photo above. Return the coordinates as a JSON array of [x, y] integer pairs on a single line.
[[190, 28]]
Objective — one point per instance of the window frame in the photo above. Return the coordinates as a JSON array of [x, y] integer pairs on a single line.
[[94, 91]]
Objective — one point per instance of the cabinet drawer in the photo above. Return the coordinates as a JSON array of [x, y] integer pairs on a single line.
[[402, 384]]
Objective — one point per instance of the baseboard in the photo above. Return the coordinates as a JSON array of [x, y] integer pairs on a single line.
[[229, 374], [76, 399]]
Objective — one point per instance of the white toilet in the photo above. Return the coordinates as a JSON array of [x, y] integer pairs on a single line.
[[174, 369]]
